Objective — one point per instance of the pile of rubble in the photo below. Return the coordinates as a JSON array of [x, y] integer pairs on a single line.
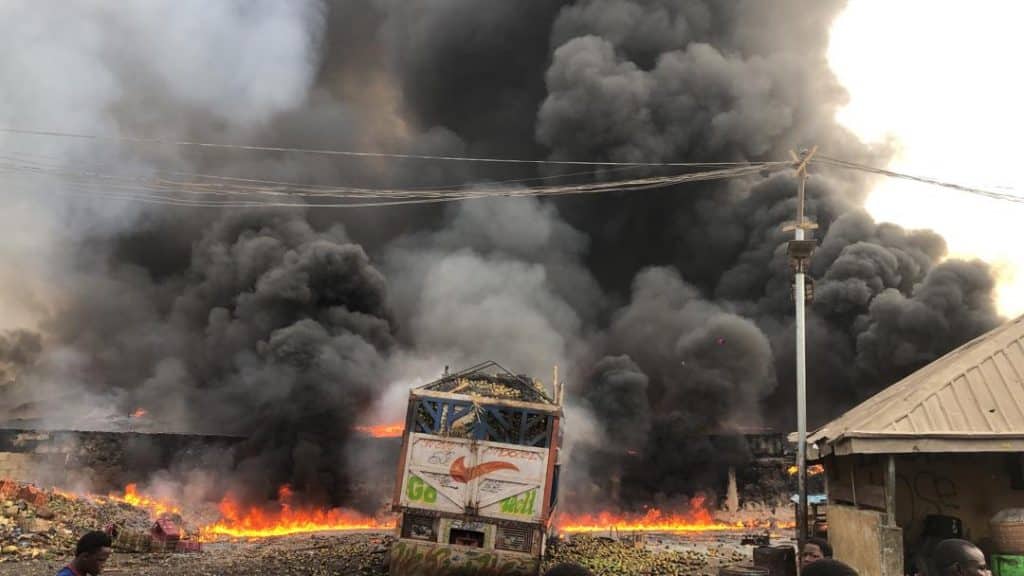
[[610, 557], [43, 524]]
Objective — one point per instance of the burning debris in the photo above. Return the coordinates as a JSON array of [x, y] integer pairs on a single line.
[[46, 524], [382, 430], [696, 519], [238, 521], [812, 470]]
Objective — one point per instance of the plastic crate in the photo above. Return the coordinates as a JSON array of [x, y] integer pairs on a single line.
[[1007, 565]]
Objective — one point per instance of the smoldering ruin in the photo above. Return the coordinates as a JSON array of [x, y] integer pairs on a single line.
[[669, 310]]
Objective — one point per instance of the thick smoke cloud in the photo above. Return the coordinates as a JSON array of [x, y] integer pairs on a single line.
[[275, 331], [670, 310], [498, 280], [19, 350], [678, 369]]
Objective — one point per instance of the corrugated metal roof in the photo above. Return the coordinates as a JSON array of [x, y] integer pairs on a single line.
[[974, 393]]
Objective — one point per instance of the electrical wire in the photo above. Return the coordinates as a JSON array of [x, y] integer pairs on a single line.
[[835, 162], [160, 189], [33, 160], [348, 153], [238, 195]]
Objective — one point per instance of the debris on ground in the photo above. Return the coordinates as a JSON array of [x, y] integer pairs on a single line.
[[38, 531], [363, 554], [610, 557], [359, 554], [35, 523]]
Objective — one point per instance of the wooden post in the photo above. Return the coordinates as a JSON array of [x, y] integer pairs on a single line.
[[890, 491], [853, 481]]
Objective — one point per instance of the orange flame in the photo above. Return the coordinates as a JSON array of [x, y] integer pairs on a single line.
[[393, 430], [237, 521], [135, 498], [696, 519], [139, 413], [253, 522], [813, 470]]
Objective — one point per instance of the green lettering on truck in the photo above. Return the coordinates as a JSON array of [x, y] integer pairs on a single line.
[[419, 491]]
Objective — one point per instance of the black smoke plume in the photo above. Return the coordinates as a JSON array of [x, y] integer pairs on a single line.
[[670, 309]]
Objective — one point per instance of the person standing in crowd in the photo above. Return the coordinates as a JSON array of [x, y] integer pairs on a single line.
[[91, 554], [828, 567], [815, 549], [955, 557]]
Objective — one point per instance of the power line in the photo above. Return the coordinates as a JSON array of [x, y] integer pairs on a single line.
[[210, 190], [271, 187], [348, 153], [32, 159], [202, 194], [837, 163]]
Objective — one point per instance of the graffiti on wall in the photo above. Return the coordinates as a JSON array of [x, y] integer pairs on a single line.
[[411, 559], [922, 489], [930, 493]]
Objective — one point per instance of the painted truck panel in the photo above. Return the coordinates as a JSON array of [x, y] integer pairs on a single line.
[[458, 475]]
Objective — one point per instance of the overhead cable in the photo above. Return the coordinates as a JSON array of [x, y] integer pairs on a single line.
[[835, 162], [345, 153], [186, 193]]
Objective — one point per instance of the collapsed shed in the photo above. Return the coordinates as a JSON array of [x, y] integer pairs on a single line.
[[936, 454]]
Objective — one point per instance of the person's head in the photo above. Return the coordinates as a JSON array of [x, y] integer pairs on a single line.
[[566, 569], [92, 551], [827, 567], [958, 558], [815, 549]]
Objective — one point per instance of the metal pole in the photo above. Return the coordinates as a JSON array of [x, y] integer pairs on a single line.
[[802, 257], [801, 375]]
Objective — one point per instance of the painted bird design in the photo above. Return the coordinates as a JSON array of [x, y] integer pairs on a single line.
[[460, 473]]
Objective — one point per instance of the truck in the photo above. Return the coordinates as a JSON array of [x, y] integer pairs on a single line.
[[478, 474]]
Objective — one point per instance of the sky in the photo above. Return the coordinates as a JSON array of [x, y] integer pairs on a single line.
[[941, 80]]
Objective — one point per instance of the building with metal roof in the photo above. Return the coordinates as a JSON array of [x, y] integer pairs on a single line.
[[970, 400], [940, 448]]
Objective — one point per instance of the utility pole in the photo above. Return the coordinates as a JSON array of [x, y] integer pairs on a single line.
[[800, 251]]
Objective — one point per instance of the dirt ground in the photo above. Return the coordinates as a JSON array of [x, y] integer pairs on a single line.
[[300, 555], [363, 554]]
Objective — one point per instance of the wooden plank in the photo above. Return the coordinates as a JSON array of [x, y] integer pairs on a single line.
[[890, 491], [842, 493], [871, 496], [930, 444]]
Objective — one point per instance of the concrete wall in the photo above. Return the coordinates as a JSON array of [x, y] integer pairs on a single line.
[[972, 487], [33, 468], [101, 460], [861, 539]]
